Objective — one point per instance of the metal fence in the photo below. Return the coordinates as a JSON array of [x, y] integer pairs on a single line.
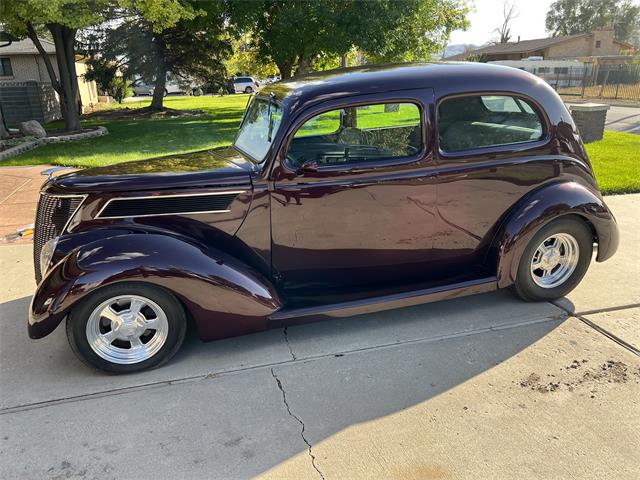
[[621, 82]]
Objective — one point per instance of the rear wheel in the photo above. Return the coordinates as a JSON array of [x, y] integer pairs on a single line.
[[127, 327], [248, 90], [555, 260]]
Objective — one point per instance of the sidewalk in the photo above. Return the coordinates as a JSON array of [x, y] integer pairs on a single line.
[[483, 387], [19, 188]]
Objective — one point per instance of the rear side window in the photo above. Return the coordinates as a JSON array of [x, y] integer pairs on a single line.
[[466, 123], [358, 134]]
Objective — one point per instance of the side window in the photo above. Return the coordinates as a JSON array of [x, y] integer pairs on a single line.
[[469, 122], [5, 67], [358, 134]]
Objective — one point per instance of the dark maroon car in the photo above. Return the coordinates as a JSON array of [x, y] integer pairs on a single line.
[[344, 192]]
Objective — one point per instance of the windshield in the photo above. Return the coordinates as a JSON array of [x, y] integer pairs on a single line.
[[259, 127]]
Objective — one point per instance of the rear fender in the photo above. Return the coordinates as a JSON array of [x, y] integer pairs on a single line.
[[543, 206], [224, 296]]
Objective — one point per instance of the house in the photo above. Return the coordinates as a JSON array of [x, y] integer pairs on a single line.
[[25, 85], [599, 44]]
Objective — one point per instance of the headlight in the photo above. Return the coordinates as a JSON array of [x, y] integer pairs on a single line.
[[46, 254]]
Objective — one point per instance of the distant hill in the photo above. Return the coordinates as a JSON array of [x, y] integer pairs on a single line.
[[456, 49]]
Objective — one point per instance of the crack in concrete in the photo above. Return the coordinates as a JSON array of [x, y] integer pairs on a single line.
[[598, 328], [286, 339], [233, 371], [291, 414]]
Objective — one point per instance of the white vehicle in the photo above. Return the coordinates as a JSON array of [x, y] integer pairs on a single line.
[[245, 84], [170, 88], [142, 89]]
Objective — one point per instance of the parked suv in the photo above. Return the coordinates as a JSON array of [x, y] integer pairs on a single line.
[[344, 192], [245, 84]]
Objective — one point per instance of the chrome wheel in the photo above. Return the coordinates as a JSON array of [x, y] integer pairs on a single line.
[[127, 329], [555, 260]]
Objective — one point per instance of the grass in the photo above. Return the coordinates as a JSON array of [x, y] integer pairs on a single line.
[[136, 139], [615, 159], [616, 162]]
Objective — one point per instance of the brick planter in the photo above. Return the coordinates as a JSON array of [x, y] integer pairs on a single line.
[[590, 119], [18, 149]]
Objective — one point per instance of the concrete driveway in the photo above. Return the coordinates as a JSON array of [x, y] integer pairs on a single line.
[[483, 387]]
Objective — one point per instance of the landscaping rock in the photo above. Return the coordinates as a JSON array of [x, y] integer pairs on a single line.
[[33, 129]]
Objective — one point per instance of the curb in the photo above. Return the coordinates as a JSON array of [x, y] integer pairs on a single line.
[[24, 147]]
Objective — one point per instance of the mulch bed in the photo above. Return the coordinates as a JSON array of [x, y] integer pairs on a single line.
[[138, 113]]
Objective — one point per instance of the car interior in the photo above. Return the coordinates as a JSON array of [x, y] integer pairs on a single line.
[[470, 122], [350, 144]]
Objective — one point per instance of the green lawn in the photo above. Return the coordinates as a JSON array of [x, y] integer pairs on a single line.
[[146, 138], [616, 159]]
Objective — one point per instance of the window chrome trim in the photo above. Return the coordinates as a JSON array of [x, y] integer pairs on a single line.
[[176, 195]]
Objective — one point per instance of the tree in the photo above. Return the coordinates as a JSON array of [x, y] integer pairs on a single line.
[[61, 19], [298, 32], [568, 17], [245, 59], [108, 78], [509, 12], [143, 42]]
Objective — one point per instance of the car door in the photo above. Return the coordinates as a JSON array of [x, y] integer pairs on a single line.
[[492, 149], [352, 204]]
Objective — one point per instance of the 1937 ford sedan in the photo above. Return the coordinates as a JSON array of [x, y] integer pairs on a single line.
[[344, 192]]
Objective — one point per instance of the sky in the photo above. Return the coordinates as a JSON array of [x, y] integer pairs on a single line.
[[487, 16]]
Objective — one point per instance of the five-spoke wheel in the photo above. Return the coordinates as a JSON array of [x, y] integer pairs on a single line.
[[127, 327], [555, 260]]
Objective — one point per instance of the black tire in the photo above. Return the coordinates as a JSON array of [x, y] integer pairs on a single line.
[[248, 90], [76, 326], [525, 285]]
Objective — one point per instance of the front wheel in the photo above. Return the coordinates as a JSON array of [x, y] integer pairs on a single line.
[[127, 327], [555, 260]]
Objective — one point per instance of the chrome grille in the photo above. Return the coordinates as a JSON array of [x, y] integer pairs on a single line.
[[51, 217]]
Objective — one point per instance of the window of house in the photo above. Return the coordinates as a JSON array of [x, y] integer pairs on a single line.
[[470, 122], [358, 134], [598, 43], [5, 67]]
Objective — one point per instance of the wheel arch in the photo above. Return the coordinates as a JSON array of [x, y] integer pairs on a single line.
[[544, 205], [205, 282]]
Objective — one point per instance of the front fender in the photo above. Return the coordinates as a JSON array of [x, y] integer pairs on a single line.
[[224, 296], [541, 207]]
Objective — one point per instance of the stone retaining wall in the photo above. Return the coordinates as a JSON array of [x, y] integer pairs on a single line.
[[24, 147]]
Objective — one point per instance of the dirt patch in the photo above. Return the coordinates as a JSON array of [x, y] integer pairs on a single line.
[[579, 374], [138, 113]]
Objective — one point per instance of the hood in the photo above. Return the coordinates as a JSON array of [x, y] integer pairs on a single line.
[[219, 166]]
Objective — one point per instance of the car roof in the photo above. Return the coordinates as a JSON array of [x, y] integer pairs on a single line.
[[448, 76]]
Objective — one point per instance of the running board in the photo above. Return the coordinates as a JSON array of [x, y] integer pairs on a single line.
[[386, 302]]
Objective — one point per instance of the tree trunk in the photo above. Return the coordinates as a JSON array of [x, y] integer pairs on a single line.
[[4, 133], [70, 104], [343, 61], [304, 66], [157, 103], [285, 69]]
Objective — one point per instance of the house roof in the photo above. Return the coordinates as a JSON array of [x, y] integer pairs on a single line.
[[523, 46], [26, 47]]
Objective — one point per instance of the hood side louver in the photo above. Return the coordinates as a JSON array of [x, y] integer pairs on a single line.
[[167, 205]]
